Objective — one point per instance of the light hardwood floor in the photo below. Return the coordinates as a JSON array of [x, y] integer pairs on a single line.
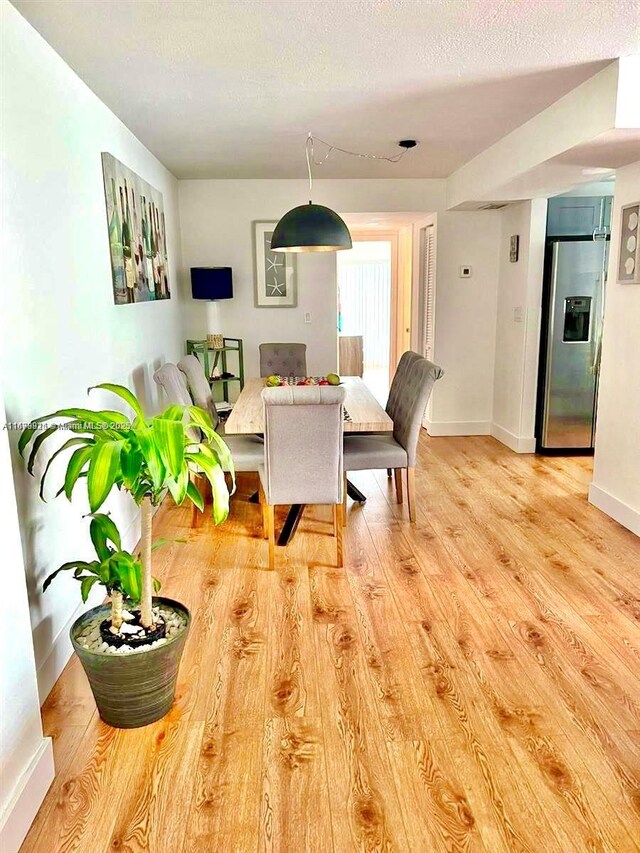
[[470, 683]]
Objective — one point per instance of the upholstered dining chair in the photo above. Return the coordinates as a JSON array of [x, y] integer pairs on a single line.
[[283, 359], [397, 451], [302, 454], [247, 451], [198, 385], [406, 360]]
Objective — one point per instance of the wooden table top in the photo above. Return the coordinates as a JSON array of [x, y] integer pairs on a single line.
[[367, 415]]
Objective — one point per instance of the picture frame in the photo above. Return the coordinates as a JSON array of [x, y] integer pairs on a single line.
[[275, 273], [628, 271]]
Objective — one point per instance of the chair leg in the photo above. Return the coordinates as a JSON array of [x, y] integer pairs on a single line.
[[263, 506], [411, 493], [344, 502], [338, 524], [398, 475], [272, 536]]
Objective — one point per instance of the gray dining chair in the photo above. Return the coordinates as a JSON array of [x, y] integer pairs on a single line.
[[406, 360], [283, 359], [198, 385], [397, 451], [303, 449], [247, 451]]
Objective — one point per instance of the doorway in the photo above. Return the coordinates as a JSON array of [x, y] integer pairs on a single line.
[[365, 285]]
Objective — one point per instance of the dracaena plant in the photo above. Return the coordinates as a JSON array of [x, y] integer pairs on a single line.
[[119, 571], [143, 456]]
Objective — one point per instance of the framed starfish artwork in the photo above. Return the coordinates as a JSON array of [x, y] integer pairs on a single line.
[[275, 283]]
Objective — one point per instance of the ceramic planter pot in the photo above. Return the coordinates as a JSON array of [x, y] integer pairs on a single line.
[[132, 690]]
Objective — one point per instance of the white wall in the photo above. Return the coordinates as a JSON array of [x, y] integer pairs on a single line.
[[60, 331], [216, 220], [518, 341], [465, 324], [26, 757], [616, 478]]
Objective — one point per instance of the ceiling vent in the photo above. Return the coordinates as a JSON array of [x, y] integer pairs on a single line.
[[492, 206]]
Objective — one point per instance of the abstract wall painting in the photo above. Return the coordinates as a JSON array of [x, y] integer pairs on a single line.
[[275, 272], [137, 235]]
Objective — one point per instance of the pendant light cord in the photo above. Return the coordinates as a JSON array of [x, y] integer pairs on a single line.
[[331, 148]]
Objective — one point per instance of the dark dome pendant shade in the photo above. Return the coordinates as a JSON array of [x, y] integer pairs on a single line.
[[311, 228]]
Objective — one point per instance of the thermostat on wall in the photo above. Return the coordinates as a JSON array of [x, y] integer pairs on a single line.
[[464, 272]]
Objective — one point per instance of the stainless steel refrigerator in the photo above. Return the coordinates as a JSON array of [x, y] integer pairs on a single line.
[[573, 304]]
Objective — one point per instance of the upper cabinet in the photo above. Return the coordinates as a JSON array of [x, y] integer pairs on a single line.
[[578, 216]]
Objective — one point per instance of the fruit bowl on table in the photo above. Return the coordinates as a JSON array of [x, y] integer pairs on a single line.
[[276, 381]]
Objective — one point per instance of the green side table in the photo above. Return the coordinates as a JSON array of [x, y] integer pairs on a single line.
[[204, 352]]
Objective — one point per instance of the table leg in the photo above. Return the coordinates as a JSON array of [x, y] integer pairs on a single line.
[[291, 523], [354, 493]]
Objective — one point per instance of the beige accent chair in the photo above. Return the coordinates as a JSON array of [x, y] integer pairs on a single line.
[[302, 454], [399, 450], [283, 359]]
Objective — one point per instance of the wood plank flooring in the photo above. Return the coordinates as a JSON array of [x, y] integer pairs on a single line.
[[468, 683]]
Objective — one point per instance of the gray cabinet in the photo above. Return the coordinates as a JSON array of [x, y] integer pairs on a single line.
[[577, 216]]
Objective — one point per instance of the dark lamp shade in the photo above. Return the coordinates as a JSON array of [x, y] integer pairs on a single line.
[[310, 228], [211, 283]]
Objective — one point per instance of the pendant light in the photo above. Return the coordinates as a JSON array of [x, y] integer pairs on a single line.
[[311, 227]]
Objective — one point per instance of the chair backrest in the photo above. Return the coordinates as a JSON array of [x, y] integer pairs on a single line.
[[169, 378], [303, 444], [406, 360], [283, 359], [198, 384], [412, 401], [174, 384]]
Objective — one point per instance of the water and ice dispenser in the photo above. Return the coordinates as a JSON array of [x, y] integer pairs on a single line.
[[577, 319]]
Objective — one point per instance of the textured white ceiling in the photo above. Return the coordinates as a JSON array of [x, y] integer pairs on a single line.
[[229, 88]]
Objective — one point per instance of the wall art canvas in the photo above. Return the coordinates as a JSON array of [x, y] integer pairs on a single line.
[[137, 235], [629, 250], [275, 272]]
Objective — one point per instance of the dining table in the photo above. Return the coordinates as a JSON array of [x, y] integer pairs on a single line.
[[362, 414]]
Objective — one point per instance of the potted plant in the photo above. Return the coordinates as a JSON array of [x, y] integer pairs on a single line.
[[147, 458]]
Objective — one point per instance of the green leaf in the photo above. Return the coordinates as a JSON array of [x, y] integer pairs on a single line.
[[215, 475], [82, 565], [130, 464], [178, 486], [159, 543], [193, 493], [221, 458], [174, 412], [169, 439], [125, 394], [103, 467], [85, 586], [157, 586], [128, 570], [155, 465], [103, 530], [71, 442], [78, 460]]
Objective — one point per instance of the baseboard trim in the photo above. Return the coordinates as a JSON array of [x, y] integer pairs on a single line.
[[28, 796], [50, 670], [438, 428], [517, 443], [615, 508]]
